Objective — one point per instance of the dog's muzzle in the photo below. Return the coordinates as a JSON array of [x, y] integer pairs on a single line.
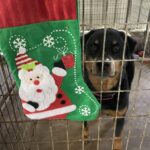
[[105, 69], [108, 69]]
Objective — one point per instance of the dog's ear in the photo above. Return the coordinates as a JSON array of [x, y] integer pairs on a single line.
[[131, 43], [86, 36]]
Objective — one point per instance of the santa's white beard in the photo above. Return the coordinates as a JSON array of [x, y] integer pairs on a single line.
[[46, 94], [44, 98]]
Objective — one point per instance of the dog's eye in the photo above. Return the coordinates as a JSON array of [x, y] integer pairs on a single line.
[[96, 42], [30, 79], [37, 77], [94, 46], [115, 49]]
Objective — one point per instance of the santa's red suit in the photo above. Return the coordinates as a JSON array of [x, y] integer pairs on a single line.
[[62, 105]]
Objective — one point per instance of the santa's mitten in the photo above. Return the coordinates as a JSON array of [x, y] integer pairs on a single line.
[[28, 107], [58, 74], [42, 49]]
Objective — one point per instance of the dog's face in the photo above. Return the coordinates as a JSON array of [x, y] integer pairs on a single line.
[[113, 52]]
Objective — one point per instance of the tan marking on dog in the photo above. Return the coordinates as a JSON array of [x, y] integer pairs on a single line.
[[117, 143], [113, 113], [107, 83], [85, 133], [91, 66]]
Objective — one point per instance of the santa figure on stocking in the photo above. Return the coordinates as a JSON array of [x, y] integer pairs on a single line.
[[40, 92]]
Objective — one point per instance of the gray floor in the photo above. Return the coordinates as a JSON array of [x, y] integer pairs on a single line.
[[43, 135], [134, 127]]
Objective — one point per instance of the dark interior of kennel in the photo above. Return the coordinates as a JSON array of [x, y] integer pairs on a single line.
[[19, 133]]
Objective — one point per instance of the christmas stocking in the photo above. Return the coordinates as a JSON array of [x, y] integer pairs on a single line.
[[40, 41]]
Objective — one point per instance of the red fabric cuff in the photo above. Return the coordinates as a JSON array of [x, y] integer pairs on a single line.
[[22, 12]]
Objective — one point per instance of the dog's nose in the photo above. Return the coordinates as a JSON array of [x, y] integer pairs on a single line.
[[99, 65], [36, 82], [106, 65]]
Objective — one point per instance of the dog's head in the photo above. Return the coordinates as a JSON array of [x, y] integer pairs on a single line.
[[113, 45]]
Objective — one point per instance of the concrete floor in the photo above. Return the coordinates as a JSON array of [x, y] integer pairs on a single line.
[[49, 135], [53, 135], [133, 130]]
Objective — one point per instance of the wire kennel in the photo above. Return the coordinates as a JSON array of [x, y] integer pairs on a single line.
[[19, 133]]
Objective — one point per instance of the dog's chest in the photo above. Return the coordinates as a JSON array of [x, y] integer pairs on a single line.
[[103, 84]]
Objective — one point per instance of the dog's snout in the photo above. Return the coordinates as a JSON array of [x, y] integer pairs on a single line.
[[99, 65], [106, 65]]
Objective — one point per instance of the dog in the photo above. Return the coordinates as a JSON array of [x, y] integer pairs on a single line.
[[102, 72]]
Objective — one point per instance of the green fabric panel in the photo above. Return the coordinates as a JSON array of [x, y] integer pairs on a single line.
[[65, 35]]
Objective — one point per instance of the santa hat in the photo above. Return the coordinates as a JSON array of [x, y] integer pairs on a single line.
[[23, 61]]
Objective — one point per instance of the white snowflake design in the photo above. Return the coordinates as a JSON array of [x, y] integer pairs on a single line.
[[84, 110], [79, 90], [48, 41], [19, 42]]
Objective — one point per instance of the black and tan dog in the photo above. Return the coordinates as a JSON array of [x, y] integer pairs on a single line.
[[108, 80]]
